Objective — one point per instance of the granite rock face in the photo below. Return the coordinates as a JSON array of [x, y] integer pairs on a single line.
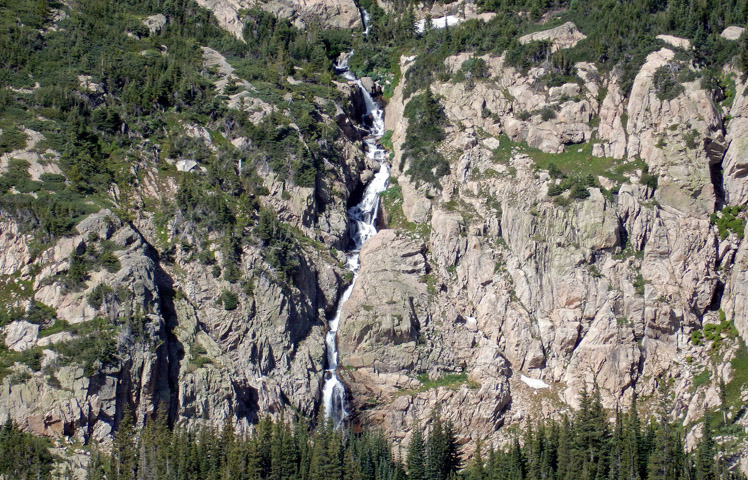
[[496, 300], [333, 14], [602, 290]]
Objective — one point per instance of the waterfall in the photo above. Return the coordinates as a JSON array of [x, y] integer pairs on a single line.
[[361, 219]]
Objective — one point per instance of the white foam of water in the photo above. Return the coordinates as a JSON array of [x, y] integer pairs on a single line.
[[362, 218]]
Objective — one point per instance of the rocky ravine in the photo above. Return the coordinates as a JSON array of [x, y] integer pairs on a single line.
[[499, 282], [492, 281], [180, 351]]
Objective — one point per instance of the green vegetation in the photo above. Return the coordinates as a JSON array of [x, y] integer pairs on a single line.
[[733, 390], [99, 294], [93, 347], [701, 379], [12, 139], [450, 380], [8, 358], [392, 203], [649, 180], [715, 333], [277, 450], [425, 131], [583, 442], [666, 82], [24, 456], [229, 300], [730, 219]]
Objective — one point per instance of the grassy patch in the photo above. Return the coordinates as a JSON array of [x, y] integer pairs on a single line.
[[701, 379], [57, 327], [739, 378], [575, 161], [392, 201], [451, 380]]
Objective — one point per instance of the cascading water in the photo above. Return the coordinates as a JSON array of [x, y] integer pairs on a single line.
[[361, 227]]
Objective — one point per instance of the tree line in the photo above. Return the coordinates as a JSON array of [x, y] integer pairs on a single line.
[[586, 445]]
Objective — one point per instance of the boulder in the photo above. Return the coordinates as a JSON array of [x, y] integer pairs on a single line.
[[155, 23], [732, 32], [21, 335], [563, 36], [186, 165], [677, 42]]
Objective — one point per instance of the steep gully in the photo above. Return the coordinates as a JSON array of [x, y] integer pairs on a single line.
[[362, 218]]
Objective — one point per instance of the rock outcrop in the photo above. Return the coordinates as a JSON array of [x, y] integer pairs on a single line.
[[603, 290], [732, 32], [334, 14], [563, 36]]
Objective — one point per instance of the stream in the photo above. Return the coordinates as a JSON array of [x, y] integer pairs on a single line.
[[362, 218]]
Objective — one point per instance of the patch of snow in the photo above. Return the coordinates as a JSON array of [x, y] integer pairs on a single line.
[[534, 382], [441, 22]]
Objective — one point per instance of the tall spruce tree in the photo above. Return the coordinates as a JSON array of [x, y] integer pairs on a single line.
[[416, 456]]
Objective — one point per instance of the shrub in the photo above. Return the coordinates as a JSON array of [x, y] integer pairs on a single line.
[[649, 180], [666, 82], [77, 272], [98, 294], [477, 67], [12, 139], [92, 352], [555, 189], [580, 191], [554, 172], [728, 220], [230, 300], [547, 113], [110, 262], [41, 314]]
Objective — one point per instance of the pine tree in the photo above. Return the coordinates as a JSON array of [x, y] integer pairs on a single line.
[[283, 452], [705, 453], [477, 470], [351, 468], [416, 455], [124, 452]]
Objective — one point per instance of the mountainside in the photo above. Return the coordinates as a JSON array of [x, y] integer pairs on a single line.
[[566, 211]]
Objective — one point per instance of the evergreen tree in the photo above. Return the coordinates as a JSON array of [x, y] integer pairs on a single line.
[[705, 453], [124, 449], [477, 470], [416, 455]]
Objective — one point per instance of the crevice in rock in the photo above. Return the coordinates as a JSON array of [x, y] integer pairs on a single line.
[[715, 174], [715, 151], [716, 302], [623, 234], [171, 353]]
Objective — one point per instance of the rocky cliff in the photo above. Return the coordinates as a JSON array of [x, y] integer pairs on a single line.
[[152, 331], [503, 280], [585, 233]]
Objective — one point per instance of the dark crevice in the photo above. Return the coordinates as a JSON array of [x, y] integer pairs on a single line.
[[715, 173]]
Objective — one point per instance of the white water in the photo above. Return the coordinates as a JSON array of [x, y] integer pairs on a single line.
[[362, 218]]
